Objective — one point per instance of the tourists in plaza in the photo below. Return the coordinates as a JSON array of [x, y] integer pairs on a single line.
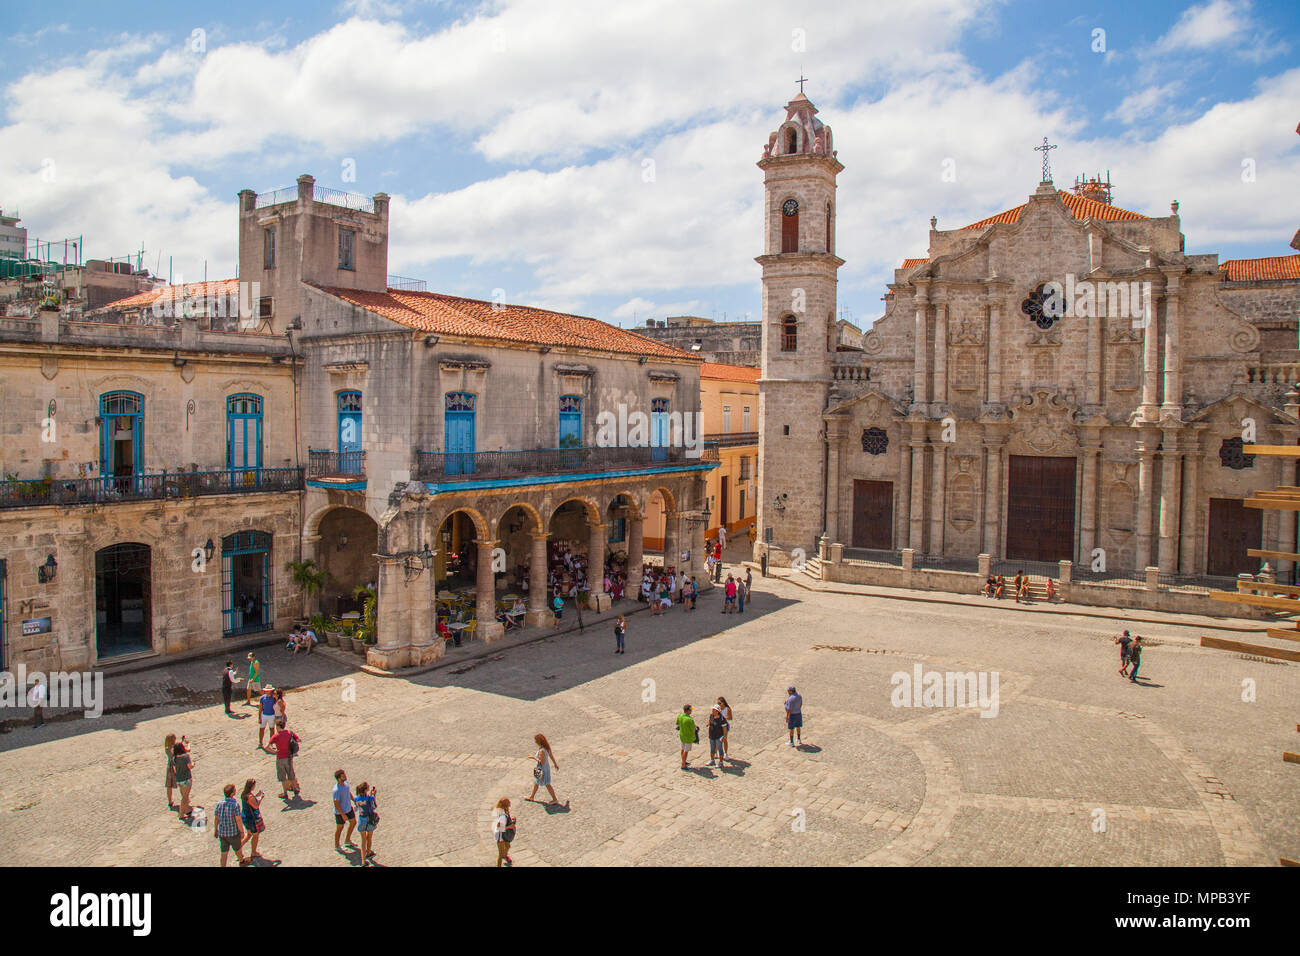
[[503, 831], [183, 768], [544, 759], [692, 594], [1135, 657], [990, 585], [309, 638], [717, 562], [230, 828], [281, 708], [729, 603], [717, 729], [250, 802], [557, 605], [1001, 587], [1051, 589], [1023, 594], [794, 715], [708, 562], [284, 742], [749, 580], [687, 732], [725, 709], [722, 535], [254, 679], [1016, 585], [36, 698], [367, 819], [741, 593], [344, 812], [228, 682], [266, 720], [620, 632], [169, 747], [1124, 640]]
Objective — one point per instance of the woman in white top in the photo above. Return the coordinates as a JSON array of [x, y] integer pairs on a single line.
[[725, 709], [502, 831], [542, 772]]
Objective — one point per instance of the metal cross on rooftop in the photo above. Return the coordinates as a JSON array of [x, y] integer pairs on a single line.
[[1047, 167], [802, 80]]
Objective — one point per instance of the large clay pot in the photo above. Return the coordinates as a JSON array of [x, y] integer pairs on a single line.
[[358, 646], [332, 638]]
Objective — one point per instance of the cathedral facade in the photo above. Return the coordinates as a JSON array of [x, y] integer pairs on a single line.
[[1060, 381]]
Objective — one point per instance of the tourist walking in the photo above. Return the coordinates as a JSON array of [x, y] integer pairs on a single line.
[[367, 819], [169, 743], [725, 708], [228, 682], [36, 698], [183, 769], [545, 759], [1123, 641], [717, 562], [741, 593], [266, 703], [230, 829], [1135, 657], [344, 812], [794, 715], [285, 744], [281, 707], [620, 632], [717, 749], [687, 732], [250, 802], [503, 831], [722, 535], [557, 606], [254, 679]]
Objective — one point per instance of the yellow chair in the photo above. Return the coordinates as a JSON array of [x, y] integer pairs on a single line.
[[469, 630]]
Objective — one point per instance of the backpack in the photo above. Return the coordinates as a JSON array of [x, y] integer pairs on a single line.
[[293, 744], [508, 834]]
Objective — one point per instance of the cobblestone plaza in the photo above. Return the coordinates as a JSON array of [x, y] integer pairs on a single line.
[[1078, 767]]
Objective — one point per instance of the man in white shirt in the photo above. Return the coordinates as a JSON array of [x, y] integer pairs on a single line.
[[36, 698], [722, 535]]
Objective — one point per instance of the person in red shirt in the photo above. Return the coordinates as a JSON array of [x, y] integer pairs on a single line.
[[282, 740]]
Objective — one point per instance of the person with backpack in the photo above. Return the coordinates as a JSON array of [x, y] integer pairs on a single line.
[[285, 743], [717, 727], [1123, 641], [620, 632], [250, 813], [503, 831], [545, 759], [367, 819], [687, 732]]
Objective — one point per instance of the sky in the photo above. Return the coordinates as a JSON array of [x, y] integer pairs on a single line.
[[599, 158]]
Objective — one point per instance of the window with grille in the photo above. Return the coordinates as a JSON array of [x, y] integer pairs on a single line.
[[346, 241]]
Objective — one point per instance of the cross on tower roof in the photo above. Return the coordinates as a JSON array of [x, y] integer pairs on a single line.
[[802, 80], [1047, 167]]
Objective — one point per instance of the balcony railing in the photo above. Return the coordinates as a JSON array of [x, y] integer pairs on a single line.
[[731, 439], [33, 493], [336, 464], [437, 466]]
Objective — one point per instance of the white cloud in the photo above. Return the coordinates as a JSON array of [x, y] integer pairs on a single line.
[[1220, 26]]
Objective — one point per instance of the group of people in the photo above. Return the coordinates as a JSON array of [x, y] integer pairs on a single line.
[[995, 586], [1130, 655], [301, 638], [688, 732], [504, 825]]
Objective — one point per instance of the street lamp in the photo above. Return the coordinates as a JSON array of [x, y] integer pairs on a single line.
[[208, 549], [45, 572]]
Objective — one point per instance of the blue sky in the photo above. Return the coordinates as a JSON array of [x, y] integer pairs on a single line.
[[600, 159]]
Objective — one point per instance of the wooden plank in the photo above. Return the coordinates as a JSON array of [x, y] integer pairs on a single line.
[[1257, 650], [1283, 634], [1273, 504], [1246, 587], [1275, 555], [1279, 451], [1257, 600]]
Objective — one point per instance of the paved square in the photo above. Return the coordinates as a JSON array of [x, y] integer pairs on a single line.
[[1182, 771]]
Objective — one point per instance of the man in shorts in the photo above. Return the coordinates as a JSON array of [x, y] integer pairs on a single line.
[[344, 812], [282, 742], [254, 678], [1123, 641], [794, 715], [266, 721], [230, 828], [687, 732]]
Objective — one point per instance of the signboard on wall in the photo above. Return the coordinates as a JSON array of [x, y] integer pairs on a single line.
[[36, 625]]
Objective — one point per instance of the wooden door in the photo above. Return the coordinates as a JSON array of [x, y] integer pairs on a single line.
[[1234, 529], [873, 514], [1040, 508]]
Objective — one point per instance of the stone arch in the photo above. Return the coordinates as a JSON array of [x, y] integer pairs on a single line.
[[790, 139], [669, 499], [590, 505], [348, 541], [481, 527], [538, 525], [633, 499]]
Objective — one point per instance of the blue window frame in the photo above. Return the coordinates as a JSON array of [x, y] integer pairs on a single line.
[[121, 436], [458, 433], [349, 421], [244, 431], [246, 605], [659, 436], [570, 421]]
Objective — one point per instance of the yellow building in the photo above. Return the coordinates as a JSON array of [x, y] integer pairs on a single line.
[[729, 403]]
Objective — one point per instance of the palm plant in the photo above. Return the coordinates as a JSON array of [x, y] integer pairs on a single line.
[[309, 577], [369, 612]]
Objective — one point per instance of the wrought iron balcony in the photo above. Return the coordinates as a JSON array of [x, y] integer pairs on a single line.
[[731, 439], [531, 463], [34, 493], [336, 464]]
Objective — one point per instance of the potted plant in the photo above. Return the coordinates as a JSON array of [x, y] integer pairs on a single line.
[[366, 630], [320, 624], [309, 577], [333, 631]]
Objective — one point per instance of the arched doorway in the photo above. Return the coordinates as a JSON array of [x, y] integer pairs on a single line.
[[349, 541], [456, 564], [246, 603], [568, 551], [123, 590]]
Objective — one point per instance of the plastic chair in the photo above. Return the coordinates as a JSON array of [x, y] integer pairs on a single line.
[[469, 630]]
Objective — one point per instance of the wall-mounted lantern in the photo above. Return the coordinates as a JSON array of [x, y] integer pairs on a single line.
[[45, 572]]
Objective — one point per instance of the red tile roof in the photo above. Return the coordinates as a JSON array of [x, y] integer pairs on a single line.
[[728, 373], [171, 293], [452, 315], [1079, 207], [911, 263], [1260, 270]]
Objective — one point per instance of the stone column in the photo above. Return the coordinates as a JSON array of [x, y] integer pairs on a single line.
[[426, 645], [1088, 517], [1173, 403], [993, 500], [834, 435], [940, 396], [994, 394], [1096, 345], [1150, 359], [539, 614], [599, 533], [1190, 505], [902, 529], [938, 497], [74, 615], [393, 623], [489, 628], [920, 371], [672, 540], [1286, 521], [1171, 470], [1145, 494], [635, 553], [917, 534], [698, 568]]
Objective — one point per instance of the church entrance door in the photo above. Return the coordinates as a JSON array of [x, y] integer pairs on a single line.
[[873, 514], [1040, 509], [1234, 529]]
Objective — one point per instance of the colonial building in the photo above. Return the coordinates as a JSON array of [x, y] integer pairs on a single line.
[[1061, 380]]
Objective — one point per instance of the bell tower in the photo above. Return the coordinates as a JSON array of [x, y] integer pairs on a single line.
[[799, 335]]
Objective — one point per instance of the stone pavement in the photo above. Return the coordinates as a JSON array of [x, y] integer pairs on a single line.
[[1079, 767]]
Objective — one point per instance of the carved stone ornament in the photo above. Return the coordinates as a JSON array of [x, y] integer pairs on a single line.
[[875, 441]]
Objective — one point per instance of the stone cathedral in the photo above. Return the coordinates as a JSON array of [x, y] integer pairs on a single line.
[[1057, 381]]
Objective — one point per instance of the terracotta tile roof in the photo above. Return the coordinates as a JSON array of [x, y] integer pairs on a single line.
[[170, 293], [452, 315], [1260, 270], [728, 373], [912, 263], [1079, 206]]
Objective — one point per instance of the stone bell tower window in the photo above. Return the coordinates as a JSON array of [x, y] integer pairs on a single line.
[[791, 142], [789, 334], [790, 226]]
